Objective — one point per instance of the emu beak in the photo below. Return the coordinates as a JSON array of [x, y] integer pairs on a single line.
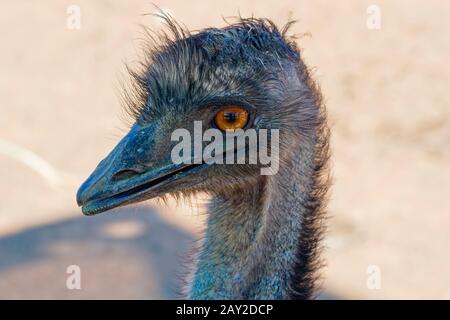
[[137, 169]]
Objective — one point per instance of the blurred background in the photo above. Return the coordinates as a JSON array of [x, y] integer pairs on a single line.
[[386, 87]]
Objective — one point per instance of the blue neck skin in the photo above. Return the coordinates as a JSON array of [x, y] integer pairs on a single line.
[[251, 241]]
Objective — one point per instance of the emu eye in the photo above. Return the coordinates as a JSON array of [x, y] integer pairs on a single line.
[[231, 118]]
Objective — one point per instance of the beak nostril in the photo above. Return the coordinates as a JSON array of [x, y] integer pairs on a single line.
[[125, 174]]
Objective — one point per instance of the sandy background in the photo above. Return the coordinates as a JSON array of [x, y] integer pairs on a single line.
[[386, 92]]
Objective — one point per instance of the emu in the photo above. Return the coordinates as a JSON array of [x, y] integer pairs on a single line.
[[264, 232]]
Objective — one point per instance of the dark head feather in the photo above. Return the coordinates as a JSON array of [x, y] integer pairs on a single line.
[[177, 63]]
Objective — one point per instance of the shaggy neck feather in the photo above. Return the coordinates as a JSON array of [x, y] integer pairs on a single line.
[[252, 239]]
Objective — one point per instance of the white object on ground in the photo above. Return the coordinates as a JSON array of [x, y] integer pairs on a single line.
[[27, 157]]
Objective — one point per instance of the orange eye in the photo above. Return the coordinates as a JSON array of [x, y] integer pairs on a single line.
[[231, 118]]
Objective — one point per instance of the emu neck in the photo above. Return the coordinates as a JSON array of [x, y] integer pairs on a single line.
[[253, 236]]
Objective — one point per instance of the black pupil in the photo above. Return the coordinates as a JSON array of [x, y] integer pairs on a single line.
[[230, 117]]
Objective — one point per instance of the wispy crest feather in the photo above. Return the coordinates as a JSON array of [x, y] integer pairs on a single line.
[[136, 90]]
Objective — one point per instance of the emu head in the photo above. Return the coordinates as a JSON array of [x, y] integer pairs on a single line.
[[250, 66]]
